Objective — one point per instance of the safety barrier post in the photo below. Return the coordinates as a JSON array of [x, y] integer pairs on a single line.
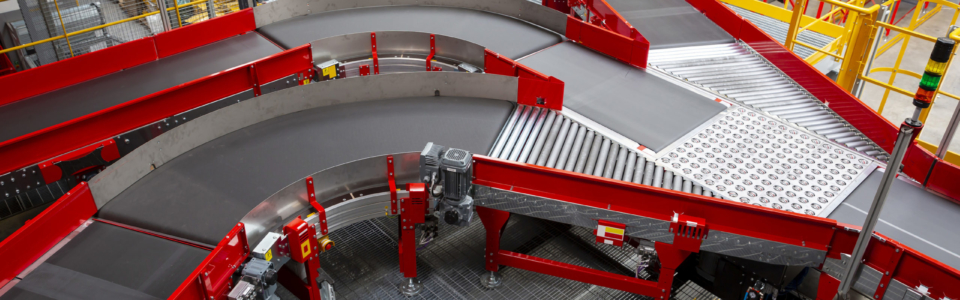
[[864, 31], [799, 10]]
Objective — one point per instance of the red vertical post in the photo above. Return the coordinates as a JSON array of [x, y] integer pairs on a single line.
[[412, 212], [893, 16], [819, 9], [670, 257], [433, 51], [373, 47], [494, 222], [392, 183]]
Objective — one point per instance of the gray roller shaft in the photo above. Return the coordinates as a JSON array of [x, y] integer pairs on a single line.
[[584, 152], [542, 137], [611, 161], [498, 148], [649, 173], [524, 134], [697, 190], [631, 163], [677, 182], [658, 176], [534, 135], [621, 164], [639, 172], [567, 146], [594, 154], [602, 159], [667, 177], [548, 144], [575, 149], [558, 144], [515, 134]]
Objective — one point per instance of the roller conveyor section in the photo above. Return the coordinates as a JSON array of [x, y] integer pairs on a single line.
[[479, 27], [104, 261], [547, 138], [670, 23], [910, 215], [778, 30], [45, 110], [640, 106], [202, 193], [735, 71]]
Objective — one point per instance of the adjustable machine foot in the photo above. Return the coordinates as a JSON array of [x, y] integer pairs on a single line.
[[491, 280], [411, 287]]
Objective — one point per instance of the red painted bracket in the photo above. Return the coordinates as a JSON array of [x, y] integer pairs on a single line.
[[44, 231], [52, 172], [888, 270], [633, 51], [212, 279], [256, 81], [373, 48], [433, 51], [494, 222], [827, 287], [534, 88], [321, 212], [392, 183], [688, 232], [364, 70]]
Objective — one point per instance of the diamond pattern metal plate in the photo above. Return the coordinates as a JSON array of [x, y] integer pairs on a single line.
[[747, 156]]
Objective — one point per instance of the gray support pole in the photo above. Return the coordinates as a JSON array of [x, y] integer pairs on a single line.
[[896, 158]]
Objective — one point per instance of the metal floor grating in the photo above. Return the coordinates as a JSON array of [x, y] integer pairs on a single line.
[[551, 139], [778, 30], [741, 75], [364, 263]]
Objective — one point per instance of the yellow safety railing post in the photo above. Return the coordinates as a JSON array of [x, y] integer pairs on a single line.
[[176, 7], [857, 52], [799, 10], [64, 27]]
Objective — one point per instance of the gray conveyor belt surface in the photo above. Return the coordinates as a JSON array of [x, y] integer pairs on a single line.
[[912, 216], [504, 35], [108, 262], [45, 110], [670, 23], [202, 193], [642, 107]]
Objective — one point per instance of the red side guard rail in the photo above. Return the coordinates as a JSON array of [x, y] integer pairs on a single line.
[[918, 163], [651, 202], [606, 31], [41, 233], [534, 88], [884, 254], [212, 279], [96, 127], [64, 73], [203, 33], [71, 71]]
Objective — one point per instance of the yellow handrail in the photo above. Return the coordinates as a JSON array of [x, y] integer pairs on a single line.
[[93, 28], [907, 31], [817, 49]]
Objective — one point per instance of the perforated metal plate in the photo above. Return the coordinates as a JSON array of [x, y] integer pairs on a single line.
[[747, 156]]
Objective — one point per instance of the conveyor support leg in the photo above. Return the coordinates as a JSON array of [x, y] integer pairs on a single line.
[[494, 222], [412, 212]]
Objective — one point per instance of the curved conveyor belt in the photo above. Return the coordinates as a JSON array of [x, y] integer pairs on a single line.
[[62, 105], [203, 193], [506, 36]]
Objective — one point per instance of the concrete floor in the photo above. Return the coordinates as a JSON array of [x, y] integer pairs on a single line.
[[898, 107]]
